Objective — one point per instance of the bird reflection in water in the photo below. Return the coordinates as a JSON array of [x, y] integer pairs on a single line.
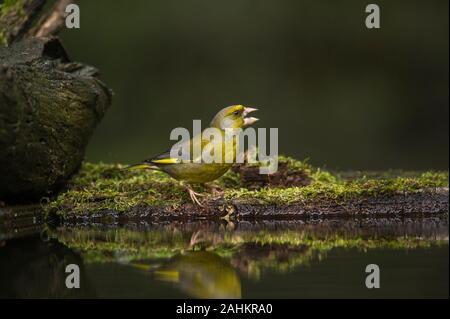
[[200, 274]]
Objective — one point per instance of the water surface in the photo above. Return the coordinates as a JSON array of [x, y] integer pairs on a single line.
[[203, 259]]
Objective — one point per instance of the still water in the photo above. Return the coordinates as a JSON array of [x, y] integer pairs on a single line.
[[205, 259]]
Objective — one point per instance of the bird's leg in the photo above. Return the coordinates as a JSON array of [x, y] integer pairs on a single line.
[[195, 238], [193, 195]]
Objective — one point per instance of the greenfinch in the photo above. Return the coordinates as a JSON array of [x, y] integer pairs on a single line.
[[191, 171], [202, 274]]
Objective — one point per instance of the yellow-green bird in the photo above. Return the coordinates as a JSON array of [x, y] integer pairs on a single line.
[[192, 171], [202, 274]]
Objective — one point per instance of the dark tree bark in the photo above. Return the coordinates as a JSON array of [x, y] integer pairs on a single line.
[[49, 106]]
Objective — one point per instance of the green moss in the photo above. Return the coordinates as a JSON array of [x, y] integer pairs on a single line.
[[295, 164], [7, 7], [2, 38], [328, 186], [109, 187], [11, 5], [104, 186]]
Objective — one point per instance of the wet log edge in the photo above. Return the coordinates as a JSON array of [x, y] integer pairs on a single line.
[[427, 202]]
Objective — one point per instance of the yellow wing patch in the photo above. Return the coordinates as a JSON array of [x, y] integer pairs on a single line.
[[168, 275], [138, 166], [166, 161]]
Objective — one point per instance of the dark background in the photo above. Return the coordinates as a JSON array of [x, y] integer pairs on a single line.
[[345, 96]]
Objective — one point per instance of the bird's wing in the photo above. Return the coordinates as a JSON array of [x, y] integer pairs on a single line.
[[162, 159], [165, 158]]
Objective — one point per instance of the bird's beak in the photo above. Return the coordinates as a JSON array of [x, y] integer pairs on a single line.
[[249, 120]]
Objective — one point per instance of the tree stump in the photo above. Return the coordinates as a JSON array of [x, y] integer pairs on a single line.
[[49, 106]]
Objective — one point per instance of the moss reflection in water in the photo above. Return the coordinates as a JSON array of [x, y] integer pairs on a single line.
[[249, 252]]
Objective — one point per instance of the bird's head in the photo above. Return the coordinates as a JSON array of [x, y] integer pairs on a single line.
[[234, 116]]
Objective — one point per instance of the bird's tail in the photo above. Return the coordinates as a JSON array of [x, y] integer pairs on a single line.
[[143, 165]]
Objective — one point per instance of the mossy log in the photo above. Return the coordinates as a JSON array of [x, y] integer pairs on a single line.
[[107, 193], [426, 203], [49, 108]]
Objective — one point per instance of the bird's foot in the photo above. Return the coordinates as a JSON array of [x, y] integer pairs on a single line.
[[195, 238], [193, 194]]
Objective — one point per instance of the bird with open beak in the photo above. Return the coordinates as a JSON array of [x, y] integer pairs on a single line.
[[188, 172]]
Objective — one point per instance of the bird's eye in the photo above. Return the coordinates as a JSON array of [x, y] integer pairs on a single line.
[[236, 113]]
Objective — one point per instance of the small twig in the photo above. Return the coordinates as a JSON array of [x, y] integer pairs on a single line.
[[52, 22], [30, 18]]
